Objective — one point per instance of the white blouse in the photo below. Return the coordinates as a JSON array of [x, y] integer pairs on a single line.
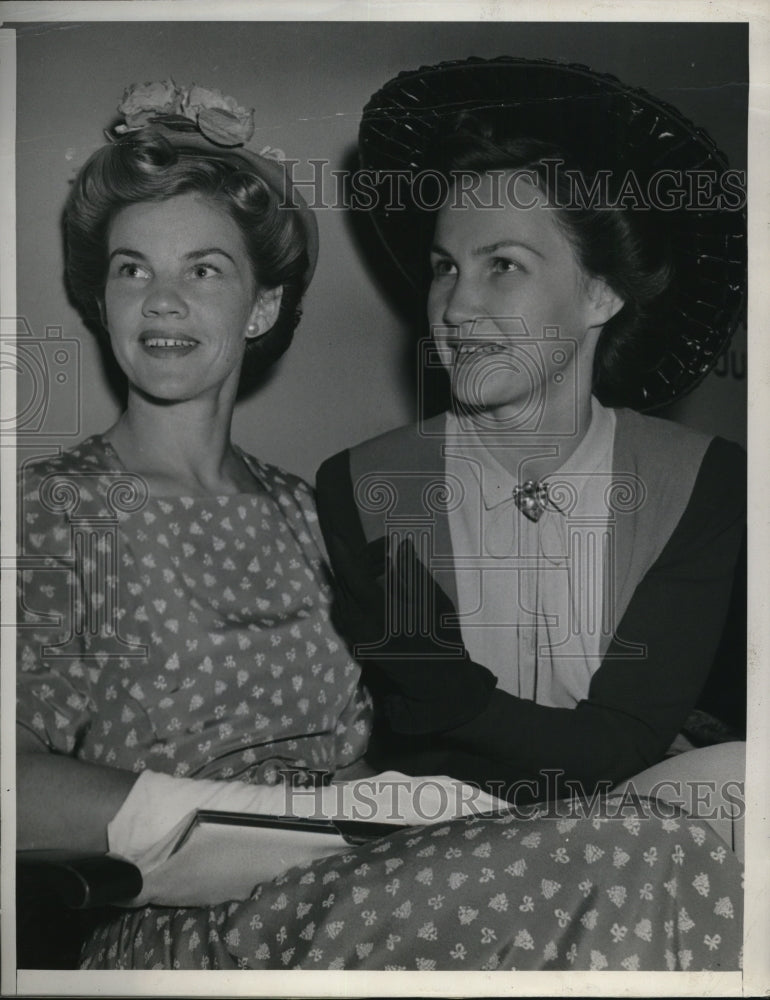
[[534, 598]]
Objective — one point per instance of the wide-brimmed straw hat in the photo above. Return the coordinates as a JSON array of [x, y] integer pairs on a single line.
[[599, 124]]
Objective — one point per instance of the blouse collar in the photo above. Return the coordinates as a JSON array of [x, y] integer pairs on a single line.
[[496, 481]]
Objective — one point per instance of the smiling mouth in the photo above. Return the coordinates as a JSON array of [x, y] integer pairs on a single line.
[[165, 342], [465, 350]]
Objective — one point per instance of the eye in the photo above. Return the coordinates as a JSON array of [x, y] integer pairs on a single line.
[[201, 270], [131, 269], [442, 266], [504, 265]]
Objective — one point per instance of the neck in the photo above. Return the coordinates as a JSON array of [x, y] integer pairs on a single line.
[[537, 455], [179, 448], [562, 424]]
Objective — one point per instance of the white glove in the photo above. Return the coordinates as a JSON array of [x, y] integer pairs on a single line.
[[147, 827]]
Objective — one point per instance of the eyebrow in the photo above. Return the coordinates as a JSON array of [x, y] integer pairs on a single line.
[[192, 255], [483, 251]]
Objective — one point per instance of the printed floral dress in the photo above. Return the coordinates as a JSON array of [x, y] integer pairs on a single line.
[[191, 636]]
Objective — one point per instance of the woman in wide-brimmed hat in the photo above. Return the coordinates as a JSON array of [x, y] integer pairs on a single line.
[[536, 580]]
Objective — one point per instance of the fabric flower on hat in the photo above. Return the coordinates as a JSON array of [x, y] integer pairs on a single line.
[[200, 118], [142, 101], [220, 119], [272, 153]]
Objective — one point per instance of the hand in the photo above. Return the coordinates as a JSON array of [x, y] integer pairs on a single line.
[[225, 863]]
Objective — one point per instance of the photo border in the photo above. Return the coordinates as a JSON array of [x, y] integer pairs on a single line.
[[755, 978]]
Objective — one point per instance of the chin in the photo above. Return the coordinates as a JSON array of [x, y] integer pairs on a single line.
[[488, 396], [165, 394], [492, 408]]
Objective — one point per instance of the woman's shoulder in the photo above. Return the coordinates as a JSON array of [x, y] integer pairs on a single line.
[[369, 472], [294, 500], [666, 443], [290, 493], [65, 479], [88, 455], [646, 426], [77, 481], [275, 478], [693, 483], [410, 446]]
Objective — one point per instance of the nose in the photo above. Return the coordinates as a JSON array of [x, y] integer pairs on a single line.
[[164, 298], [461, 303]]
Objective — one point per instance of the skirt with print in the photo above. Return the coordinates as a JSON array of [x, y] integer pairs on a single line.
[[641, 892]]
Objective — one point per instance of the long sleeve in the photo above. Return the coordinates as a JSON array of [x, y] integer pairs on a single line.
[[634, 707]]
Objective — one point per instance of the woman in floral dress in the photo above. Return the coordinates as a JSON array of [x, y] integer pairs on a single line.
[[176, 649]]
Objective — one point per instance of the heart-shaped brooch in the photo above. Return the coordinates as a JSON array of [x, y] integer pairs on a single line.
[[532, 499]]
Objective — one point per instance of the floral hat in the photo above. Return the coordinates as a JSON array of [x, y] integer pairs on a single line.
[[602, 126], [206, 120]]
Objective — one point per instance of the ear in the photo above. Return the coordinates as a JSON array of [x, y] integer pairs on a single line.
[[102, 313], [604, 302], [265, 312]]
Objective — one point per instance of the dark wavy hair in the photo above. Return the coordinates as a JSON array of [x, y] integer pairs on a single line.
[[624, 248], [149, 168]]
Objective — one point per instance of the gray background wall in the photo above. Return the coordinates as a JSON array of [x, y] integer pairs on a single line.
[[350, 373]]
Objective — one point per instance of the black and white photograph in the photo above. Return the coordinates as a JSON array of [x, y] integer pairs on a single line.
[[382, 450]]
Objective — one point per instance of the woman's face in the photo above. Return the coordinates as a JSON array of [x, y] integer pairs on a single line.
[[515, 317], [180, 296]]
